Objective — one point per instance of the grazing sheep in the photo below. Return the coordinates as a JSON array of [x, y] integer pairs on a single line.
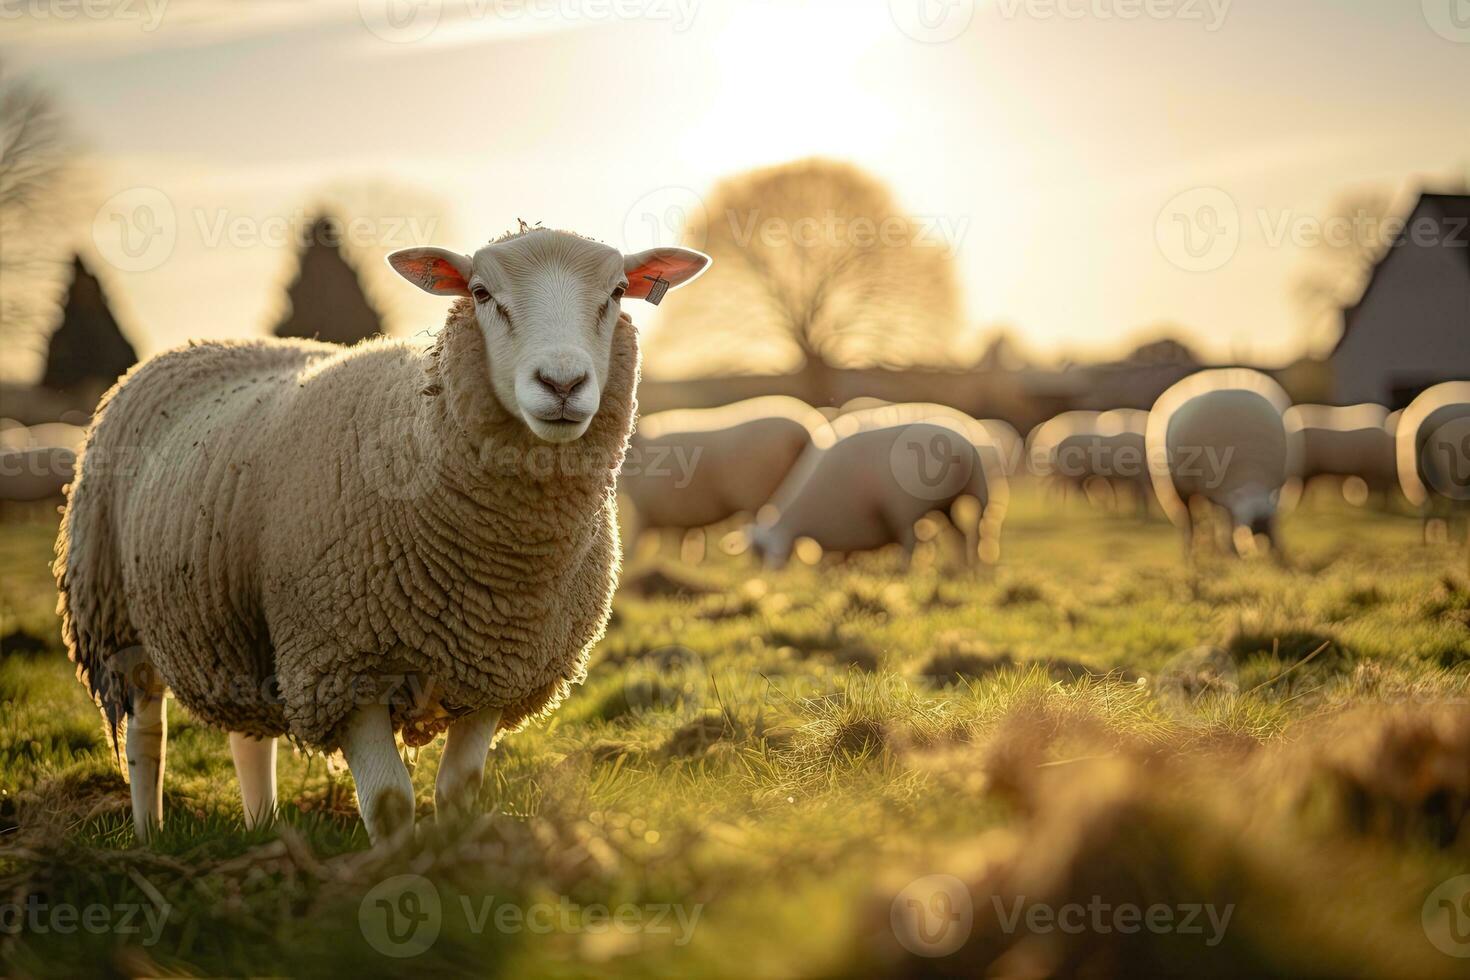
[[1044, 447], [874, 412], [1079, 449], [690, 468], [1219, 436], [336, 544], [1433, 450], [870, 487], [37, 461], [1345, 443]]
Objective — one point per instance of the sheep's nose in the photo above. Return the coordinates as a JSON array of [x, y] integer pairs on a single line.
[[563, 389]]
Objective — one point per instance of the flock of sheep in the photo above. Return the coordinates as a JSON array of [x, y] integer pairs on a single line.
[[347, 545], [1225, 444]]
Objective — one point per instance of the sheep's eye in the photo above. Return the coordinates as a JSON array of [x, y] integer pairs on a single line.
[[617, 293], [481, 294]]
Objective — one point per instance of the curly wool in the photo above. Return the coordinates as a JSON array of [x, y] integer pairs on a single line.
[[286, 529]]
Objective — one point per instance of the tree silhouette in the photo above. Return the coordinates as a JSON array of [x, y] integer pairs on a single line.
[[814, 260], [37, 183], [88, 350], [326, 300]]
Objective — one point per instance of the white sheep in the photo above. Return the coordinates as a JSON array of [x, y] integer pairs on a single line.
[[1078, 448], [690, 468], [37, 461], [1220, 436], [1002, 435], [339, 543], [1433, 449], [1343, 443], [870, 487]]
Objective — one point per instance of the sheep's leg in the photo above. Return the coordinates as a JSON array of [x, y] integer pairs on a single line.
[[384, 791], [255, 764], [146, 746], [1187, 527], [462, 767]]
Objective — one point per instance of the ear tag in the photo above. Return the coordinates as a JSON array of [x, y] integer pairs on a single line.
[[657, 290]]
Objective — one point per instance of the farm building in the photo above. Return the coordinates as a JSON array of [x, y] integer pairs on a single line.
[[1411, 327]]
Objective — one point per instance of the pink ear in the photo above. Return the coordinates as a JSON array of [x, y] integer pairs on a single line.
[[675, 266], [434, 270]]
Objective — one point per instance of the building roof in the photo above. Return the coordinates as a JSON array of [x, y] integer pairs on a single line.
[[1451, 208]]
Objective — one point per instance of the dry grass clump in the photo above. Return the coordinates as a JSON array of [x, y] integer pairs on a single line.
[[1139, 829], [1401, 774]]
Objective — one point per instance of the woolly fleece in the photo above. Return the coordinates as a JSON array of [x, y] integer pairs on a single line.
[[288, 528]]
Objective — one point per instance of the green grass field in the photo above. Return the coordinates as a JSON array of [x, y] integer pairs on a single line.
[[765, 777]]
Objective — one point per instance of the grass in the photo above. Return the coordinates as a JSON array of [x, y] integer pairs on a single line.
[[765, 773]]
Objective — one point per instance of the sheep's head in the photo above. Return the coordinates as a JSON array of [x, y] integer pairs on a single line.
[[547, 303]]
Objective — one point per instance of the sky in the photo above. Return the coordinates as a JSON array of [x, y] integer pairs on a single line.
[[1100, 168]]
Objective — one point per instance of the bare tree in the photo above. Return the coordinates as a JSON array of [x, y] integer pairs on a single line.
[[1354, 237], [814, 261], [36, 155]]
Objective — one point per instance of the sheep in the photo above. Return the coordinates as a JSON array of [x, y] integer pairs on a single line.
[[37, 461], [872, 485], [337, 544], [1083, 448], [1347, 443], [1433, 449], [1044, 444], [690, 468], [1002, 435], [1219, 435]]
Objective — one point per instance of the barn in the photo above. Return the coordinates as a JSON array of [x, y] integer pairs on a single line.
[[1411, 327]]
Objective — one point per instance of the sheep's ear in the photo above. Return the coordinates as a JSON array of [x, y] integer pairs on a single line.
[[656, 271], [434, 270]]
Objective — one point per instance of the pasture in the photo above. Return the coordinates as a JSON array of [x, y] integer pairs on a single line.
[[764, 771]]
